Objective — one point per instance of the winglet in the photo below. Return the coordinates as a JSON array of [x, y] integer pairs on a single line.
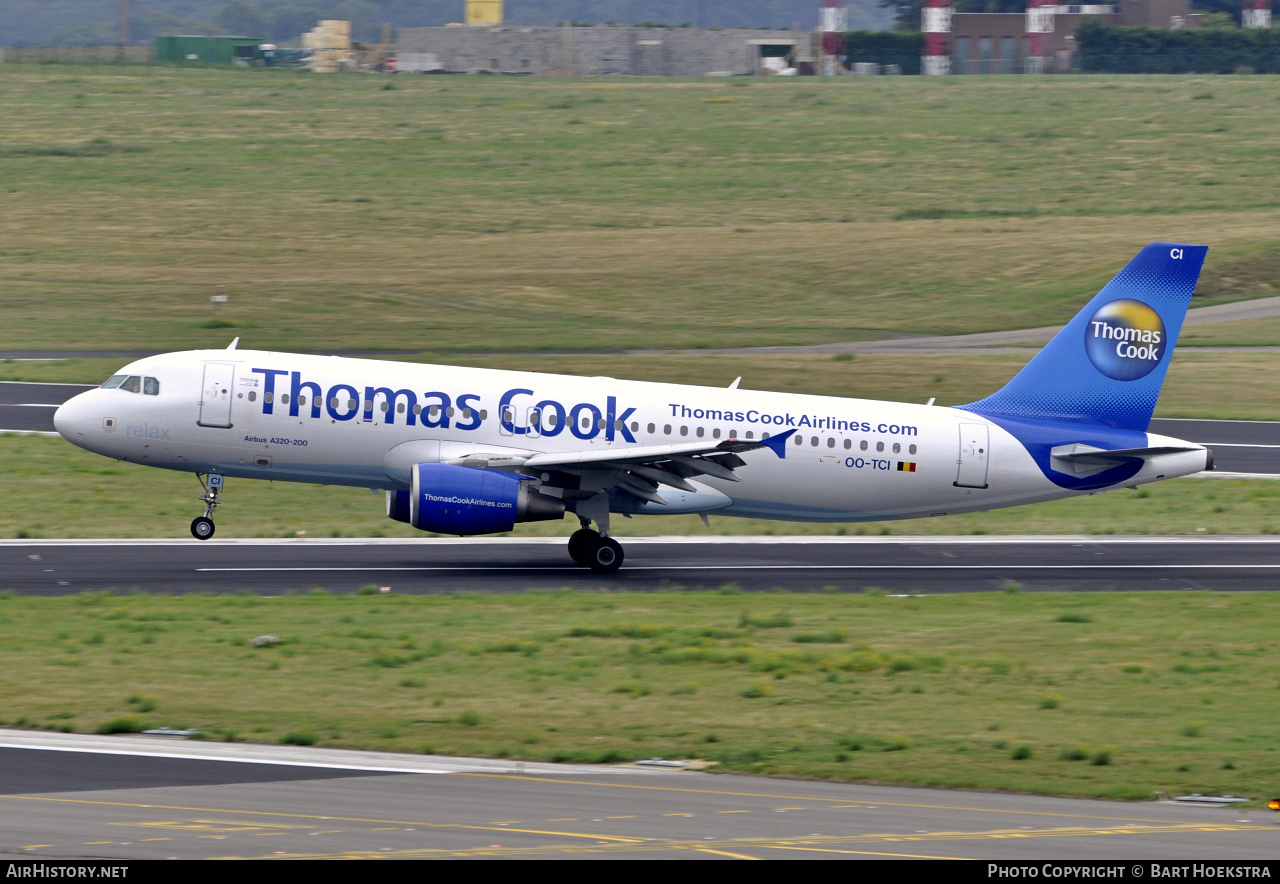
[[232, 345], [778, 443]]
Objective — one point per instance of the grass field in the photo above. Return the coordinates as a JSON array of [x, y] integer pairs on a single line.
[[445, 213], [1113, 695]]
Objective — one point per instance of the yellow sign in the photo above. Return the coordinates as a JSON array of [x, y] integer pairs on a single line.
[[484, 12]]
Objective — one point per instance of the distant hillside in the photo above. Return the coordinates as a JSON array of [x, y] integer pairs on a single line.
[[87, 22]]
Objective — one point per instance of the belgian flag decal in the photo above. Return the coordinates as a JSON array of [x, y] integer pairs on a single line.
[[906, 466]]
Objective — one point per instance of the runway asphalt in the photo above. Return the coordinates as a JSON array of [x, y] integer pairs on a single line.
[[29, 408], [1238, 446], [753, 564], [64, 797]]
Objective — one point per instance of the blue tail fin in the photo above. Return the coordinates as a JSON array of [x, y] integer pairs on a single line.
[[1108, 364]]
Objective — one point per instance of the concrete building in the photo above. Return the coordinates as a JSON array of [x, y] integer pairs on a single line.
[[601, 50]]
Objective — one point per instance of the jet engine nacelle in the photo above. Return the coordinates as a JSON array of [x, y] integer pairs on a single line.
[[450, 499]]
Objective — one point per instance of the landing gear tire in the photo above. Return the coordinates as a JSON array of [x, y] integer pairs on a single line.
[[202, 528], [578, 541], [603, 555]]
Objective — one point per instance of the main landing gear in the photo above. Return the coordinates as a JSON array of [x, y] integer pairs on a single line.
[[598, 552], [202, 527]]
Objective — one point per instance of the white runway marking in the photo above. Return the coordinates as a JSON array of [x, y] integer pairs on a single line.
[[750, 567], [290, 756], [1235, 445], [743, 539]]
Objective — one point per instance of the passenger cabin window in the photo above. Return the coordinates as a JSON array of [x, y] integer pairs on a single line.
[[133, 384], [151, 386], [114, 381]]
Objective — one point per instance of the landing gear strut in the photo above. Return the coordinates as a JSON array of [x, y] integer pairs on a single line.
[[202, 527], [595, 549]]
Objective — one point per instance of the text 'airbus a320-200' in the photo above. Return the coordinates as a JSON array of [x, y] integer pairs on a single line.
[[465, 451]]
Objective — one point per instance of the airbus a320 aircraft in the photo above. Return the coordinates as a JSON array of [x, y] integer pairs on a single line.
[[474, 451]]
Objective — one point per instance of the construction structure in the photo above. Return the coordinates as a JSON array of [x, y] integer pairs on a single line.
[[329, 45]]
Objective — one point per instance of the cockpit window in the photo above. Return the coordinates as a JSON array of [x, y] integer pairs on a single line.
[[114, 381], [151, 386], [133, 384]]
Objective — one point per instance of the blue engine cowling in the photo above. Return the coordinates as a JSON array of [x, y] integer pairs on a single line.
[[450, 499]]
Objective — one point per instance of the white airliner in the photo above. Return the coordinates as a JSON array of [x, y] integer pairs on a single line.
[[473, 451]]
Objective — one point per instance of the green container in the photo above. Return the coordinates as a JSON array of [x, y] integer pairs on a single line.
[[199, 49]]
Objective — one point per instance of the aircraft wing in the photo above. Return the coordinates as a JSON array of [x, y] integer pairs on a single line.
[[640, 470]]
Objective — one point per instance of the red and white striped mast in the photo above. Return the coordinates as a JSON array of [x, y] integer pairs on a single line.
[[935, 23], [1256, 14], [1039, 26], [833, 22]]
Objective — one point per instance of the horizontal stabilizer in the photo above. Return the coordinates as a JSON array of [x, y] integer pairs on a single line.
[[1085, 460]]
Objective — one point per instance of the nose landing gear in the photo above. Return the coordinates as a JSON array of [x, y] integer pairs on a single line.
[[202, 527]]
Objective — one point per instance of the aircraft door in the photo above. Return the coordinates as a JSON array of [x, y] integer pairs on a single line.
[[974, 448], [215, 395]]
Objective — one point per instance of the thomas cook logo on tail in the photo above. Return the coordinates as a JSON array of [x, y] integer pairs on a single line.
[[1125, 340]]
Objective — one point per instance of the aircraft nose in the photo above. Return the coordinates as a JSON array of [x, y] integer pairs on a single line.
[[69, 418]]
